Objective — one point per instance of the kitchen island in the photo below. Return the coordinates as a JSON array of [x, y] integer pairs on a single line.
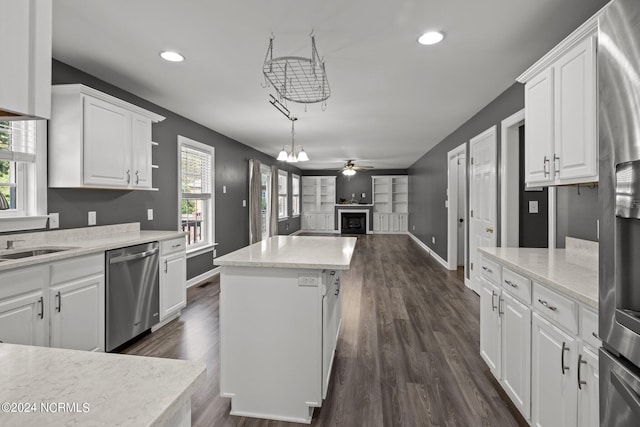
[[42, 386], [280, 315]]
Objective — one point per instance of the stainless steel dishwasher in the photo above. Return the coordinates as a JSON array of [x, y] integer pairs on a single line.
[[132, 281]]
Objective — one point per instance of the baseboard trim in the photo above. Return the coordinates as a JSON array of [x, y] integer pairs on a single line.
[[429, 251], [204, 276]]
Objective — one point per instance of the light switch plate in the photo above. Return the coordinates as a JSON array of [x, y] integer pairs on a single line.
[[92, 218], [533, 206], [224, 189], [150, 214], [54, 220], [244, 203]]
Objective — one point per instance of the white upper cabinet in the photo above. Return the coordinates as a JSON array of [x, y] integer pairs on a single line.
[[25, 81], [98, 141], [560, 112]]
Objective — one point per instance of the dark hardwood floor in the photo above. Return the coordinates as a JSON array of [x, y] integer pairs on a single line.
[[408, 353]]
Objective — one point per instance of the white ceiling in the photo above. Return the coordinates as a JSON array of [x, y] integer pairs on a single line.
[[392, 99]]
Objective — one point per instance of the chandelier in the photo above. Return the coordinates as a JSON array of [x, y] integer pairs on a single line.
[[292, 156]]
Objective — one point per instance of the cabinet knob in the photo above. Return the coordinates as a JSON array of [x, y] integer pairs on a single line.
[[489, 230]]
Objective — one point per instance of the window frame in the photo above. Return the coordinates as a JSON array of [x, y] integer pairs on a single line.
[[207, 244], [296, 208], [31, 185], [285, 194]]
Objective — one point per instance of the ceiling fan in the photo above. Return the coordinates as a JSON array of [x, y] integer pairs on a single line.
[[349, 169]]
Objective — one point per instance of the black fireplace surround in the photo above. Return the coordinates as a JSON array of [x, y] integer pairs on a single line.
[[353, 223]]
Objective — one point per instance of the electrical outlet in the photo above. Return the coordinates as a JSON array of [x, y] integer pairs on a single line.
[[363, 195], [244, 203], [54, 220], [92, 218], [433, 239], [150, 214], [224, 189], [413, 228], [533, 206]]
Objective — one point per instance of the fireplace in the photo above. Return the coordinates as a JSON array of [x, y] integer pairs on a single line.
[[353, 223]]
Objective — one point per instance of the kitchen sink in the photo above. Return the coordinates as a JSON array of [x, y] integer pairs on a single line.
[[30, 253]]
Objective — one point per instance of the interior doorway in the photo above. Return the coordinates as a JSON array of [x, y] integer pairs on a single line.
[[457, 207], [265, 199]]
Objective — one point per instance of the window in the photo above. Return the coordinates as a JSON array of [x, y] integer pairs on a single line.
[[265, 191], [23, 174], [196, 194], [282, 194], [295, 195]]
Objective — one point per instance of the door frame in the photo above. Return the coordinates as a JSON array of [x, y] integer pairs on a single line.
[[510, 179], [452, 209]]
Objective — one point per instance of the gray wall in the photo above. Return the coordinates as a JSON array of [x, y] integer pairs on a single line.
[[231, 169], [577, 211], [428, 175]]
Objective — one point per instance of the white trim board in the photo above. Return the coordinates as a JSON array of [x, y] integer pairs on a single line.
[[509, 184], [429, 251], [202, 277]]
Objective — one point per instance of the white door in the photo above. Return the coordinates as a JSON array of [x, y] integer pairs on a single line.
[[516, 352], [462, 205], [588, 409], [141, 152], [173, 292], [539, 131], [23, 320], [490, 336], [575, 131], [107, 144], [77, 323], [554, 389], [483, 200]]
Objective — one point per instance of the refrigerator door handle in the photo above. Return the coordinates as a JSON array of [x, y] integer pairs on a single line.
[[627, 393]]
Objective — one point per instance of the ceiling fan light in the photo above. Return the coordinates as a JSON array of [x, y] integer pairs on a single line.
[[348, 172], [302, 156], [282, 155]]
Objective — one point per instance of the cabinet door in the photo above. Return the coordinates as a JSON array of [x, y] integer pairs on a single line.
[[490, 336], [309, 222], [77, 314], [140, 152], [588, 393], [330, 324], [329, 222], [173, 291], [107, 144], [381, 222], [575, 152], [516, 352], [539, 130], [23, 319], [554, 375]]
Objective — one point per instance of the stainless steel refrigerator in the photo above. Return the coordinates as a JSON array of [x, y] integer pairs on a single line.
[[619, 194]]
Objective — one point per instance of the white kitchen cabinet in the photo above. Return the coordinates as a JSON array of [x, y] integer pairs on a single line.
[[588, 391], [560, 113], [490, 324], [380, 222], [24, 317], [76, 303], [173, 276], [554, 375], [98, 141], [25, 80], [318, 203]]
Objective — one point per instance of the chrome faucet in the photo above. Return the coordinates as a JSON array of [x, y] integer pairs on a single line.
[[11, 242]]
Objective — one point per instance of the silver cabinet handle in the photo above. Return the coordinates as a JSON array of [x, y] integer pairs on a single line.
[[546, 304], [41, 314], [564, 348], [500, 300], [510, 283], [488, 270], [493, 306], [556, 165], [128, 176], [58, 302], [166, 265], [137, 177], [545, 166], [580, 362], [176, 245]]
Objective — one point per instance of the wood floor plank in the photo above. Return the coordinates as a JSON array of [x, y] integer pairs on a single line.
[[408, 352]]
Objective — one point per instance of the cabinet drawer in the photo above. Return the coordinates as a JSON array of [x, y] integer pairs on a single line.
[[589, 327], [75, 268], [517, 285], [173, 245], [555, 307], [490, 270]]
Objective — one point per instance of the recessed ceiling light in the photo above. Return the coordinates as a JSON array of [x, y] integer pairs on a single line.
[[171, 56], [432, 37]]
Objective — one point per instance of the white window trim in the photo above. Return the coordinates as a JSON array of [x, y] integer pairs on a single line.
[[34, 215], [208, 244], [285, 174], [293, 175]]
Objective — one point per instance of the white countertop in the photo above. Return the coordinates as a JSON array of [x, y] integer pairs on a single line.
[[81, 241], [317, 252], [104, 389], [574, 274]]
